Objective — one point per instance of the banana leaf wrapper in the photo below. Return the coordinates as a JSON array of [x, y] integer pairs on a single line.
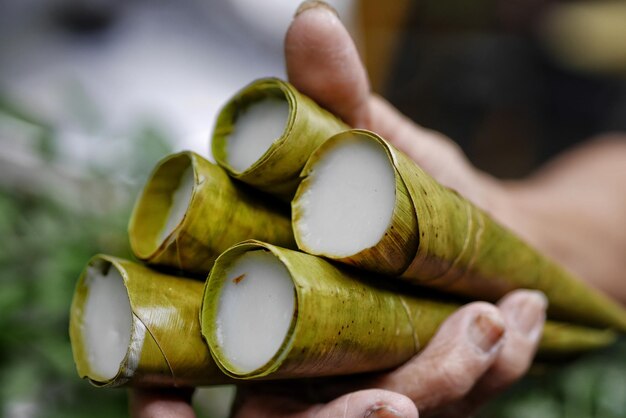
[[308, 126], [221, 213], [345, 323], [166, 348], [563, 340], [439, 239]]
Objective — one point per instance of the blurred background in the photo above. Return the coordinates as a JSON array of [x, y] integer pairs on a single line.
[[94, 92]]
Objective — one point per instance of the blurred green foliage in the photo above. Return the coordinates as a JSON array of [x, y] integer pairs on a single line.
[[45, 243], [43, 249], [593, 386]]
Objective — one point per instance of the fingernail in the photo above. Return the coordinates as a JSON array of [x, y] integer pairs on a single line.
[[486, 332], [383, 411], [529, 314], [311, 4]]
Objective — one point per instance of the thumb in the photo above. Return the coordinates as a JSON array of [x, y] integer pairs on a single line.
[[372, 403], [161, 403], [323, 63]]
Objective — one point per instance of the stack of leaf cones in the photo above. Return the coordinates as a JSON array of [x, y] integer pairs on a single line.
[[195, 219]]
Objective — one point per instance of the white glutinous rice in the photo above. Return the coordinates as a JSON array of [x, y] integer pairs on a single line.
[[107, 322], [255, 310], [349, 200], [181, 197], [255, 130]]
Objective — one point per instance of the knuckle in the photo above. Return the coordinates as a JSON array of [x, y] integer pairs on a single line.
[[451, 379]]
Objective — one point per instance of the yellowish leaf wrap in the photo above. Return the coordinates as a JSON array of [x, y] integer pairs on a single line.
[[344, 322], [438, 238], [308, 126], [220, 214], [166, 348]]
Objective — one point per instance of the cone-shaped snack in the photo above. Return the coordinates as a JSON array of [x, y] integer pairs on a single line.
[[273, 313], [364, 203], [190, 211], [266, 132], [130, 325], [562, 339]]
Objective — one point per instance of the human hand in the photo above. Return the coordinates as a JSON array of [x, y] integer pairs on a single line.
[[476, 353]]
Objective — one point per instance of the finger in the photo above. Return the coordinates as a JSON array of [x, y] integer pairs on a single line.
[[153, 403], [323, 63], [362, 404], [524, 314], [464, 348], [435, 153]]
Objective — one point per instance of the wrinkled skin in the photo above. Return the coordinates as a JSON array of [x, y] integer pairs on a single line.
[[482, 348]]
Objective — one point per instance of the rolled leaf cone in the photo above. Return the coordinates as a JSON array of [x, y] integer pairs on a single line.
[[133, 326], [276, 170], [338, 322], [188, 231], [435, 237], [562, 339]]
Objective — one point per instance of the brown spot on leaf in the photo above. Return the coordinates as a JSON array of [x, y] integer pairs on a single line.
[[237, 279]]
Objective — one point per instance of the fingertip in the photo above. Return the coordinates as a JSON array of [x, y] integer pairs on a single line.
[[383, 411], [323, 63], [154, 403], [485, 328], [369, 403], [478, 324], [525, 312], [377, 403], [313, 4], [314, 31], [513, 297]]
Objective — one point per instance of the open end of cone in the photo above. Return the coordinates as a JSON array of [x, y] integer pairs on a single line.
[[162, 206], [256, 127], [180, 198], [255, 310], [346, 203], [107, 321]]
